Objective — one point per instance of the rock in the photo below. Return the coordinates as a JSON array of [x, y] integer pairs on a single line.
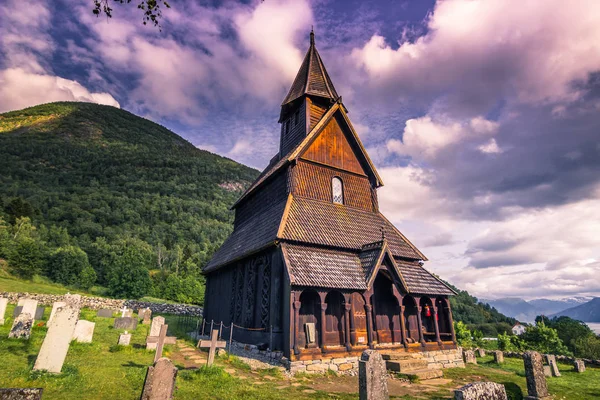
[[481, 391], [21, 394], [372, 377], [160, 381]]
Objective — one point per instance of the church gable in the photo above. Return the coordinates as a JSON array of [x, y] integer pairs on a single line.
[[331, 147]]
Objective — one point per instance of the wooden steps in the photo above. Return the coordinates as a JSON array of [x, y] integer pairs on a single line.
[[411, 364]]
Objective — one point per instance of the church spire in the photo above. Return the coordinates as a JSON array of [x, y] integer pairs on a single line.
[[312, 78]]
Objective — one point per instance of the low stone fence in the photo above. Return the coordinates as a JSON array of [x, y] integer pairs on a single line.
[[444, 358], [564, 359], [96, 303]]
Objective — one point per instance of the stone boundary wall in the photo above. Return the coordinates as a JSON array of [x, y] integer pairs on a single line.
[[342, 366], [444, 358], [565, 359], [96, 303]]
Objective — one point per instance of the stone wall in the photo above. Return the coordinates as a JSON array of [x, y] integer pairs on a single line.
[[444, 358], [96, 303], [564, 359], [342, 366]]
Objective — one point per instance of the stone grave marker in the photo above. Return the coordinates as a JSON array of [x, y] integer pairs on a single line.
[[29, 307], [551, 360], [372, 377], [469, 356], [161, 342], [310, 331], [124, 339], [147, 316], [537, 388], [17, 310], [481, 352], [56, 343], [21, 327], [579, 366], [104, 313], [498, 357], [39, 313], [21, 394], [547, 371], [152, 340], [128, 323], [212, 345], [84, 331], [56, 305], [3, 304], [126, 312], [481, 390], [160, 381]]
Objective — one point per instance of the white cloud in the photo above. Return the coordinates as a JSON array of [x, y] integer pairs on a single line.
[[20, 89], [490, 147]]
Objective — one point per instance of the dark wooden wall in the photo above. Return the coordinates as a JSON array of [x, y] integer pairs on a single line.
[[250, 293], [273, 192], [293, 128]]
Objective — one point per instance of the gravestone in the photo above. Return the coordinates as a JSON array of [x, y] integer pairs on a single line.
[[21, 327], [372, 377], [310, 330], [73, 300], [481, 352], [147, 317], [551, 360], [128, 323], [480, 391], [160, 381], [56, 305], [124, 339], [547, 371], [151, 340], [17, 310], [498, 357], [537, 388], [84, 331], [469, 356], [104, 313], [21, 394], [56, 343], [29, 306], [212, 345], [579, 366], [39, 313], [161, 342], [3, 304]]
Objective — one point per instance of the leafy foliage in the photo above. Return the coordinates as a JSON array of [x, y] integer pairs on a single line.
[[151, 9], [576, 335], [544, 339], [91, 177]]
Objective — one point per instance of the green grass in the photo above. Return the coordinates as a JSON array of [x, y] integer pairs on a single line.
[[38, 284]]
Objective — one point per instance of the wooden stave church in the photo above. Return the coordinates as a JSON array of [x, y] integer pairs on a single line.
[[310, 245]]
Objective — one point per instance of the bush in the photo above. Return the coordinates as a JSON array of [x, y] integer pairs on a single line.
[[463, 335], [87, 278], [587, 347], [66, 265], [510, 342], [544, 339], [126, 271], [25, 258]]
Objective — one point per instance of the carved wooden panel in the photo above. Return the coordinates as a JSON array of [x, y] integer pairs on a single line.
[[239, 290], [250, 293], [265, 297], [331, 147]]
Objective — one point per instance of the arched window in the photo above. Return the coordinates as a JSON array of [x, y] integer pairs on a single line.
[[337, 190]]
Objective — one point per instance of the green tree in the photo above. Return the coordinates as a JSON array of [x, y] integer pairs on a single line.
[[66, 265], [25, 258], [463, 334], [587, 347], [544, 339], [126, 272], [569, 330], [17, 208], [510, 342], [87, 278]]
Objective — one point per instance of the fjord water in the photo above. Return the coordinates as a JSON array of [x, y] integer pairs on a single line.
[[595, 326]]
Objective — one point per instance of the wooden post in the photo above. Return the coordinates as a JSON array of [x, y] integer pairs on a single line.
[[271, 338], [161, 342], [347, 325], [369, 312], [212, 344], [230, 337], [203, 322], [221, 330], [403, 325], [297, 305], [420, 321], [436, 325], [322, 333], [212, 322], [451, 321]]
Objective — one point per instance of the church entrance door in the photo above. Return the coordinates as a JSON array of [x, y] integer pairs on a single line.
[[386, 311]]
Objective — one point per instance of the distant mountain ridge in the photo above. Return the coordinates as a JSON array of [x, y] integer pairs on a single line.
[[526, 311], [587, 312]]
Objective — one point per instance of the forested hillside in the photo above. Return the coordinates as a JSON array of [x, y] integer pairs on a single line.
[[84, 184]]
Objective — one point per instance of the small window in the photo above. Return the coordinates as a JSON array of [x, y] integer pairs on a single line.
[[337, 190]]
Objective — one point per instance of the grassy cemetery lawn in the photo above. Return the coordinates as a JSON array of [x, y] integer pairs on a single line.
[[103, 370]]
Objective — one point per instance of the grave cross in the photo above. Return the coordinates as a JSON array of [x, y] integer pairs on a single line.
[[212, 344], [161, 342], [123, 311]]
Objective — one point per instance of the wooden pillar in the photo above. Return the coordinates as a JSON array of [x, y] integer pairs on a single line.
[[369, 314], [297, 305], [323, 295], [451, 321], [420, 321], [403, 325], [347, 325], [435, 322], [352, 322], [398, 297]]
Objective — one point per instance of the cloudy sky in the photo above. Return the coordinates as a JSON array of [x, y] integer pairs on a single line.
[[483, 118]]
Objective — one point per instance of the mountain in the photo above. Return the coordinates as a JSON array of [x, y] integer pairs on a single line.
[[587, 312], [100, 172], [526, 311]]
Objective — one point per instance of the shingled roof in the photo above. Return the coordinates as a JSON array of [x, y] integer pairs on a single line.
[[312, 78], [320, 267]]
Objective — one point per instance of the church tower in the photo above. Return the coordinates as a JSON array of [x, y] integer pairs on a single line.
[[312, 267]]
